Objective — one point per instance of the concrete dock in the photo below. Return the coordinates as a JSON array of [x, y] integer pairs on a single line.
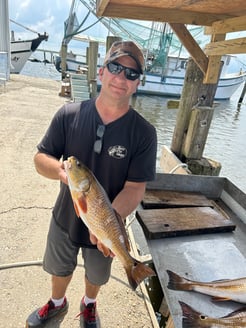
[[26, 107]]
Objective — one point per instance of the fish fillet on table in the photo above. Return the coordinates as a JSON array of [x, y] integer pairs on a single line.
[[195, 319], [220, 290], [93, 206]]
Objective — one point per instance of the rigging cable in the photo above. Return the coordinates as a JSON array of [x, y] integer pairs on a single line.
[[27, 28]]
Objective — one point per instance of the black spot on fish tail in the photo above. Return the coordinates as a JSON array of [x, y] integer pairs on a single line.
[[137, 273], [190, 316], [188, 311], [177, 282]]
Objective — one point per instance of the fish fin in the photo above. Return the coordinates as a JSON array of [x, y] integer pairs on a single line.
[[191, 317], [236, 313], [187, 310], [123, 230], [220, 299], [137, 273], [82, 203], [76, 209], [177, 282]]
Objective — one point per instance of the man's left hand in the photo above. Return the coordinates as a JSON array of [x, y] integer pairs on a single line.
[[101, 247]]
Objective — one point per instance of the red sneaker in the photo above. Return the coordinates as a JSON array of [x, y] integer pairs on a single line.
[[49, 310], [88, 315]]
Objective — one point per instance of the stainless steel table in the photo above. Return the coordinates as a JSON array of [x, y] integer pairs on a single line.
[[205, 257]]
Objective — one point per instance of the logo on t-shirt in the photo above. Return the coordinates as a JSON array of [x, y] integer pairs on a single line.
[[118, 152]]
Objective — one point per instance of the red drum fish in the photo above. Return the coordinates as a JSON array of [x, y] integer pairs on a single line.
[[93, 206], [220, 290], [195, 319]]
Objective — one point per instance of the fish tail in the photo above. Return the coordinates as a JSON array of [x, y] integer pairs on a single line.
[[137, 273], [177, 282], [190, 316]]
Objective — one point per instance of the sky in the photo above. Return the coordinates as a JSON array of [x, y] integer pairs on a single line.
[[49, 16], [46, 16]]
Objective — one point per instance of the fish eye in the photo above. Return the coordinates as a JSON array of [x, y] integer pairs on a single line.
[[203, 317]]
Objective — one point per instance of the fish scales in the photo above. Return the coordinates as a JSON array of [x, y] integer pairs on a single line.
[[93, 206], [107, 225]]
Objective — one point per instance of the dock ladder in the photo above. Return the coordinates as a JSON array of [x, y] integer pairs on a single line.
[[80, 89]]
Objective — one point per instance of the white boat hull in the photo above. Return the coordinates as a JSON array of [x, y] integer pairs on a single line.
[[172, 86], [21, 50], [171, 82]]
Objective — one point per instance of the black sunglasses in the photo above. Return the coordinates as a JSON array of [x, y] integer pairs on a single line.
[[116, 68], [98, 142]]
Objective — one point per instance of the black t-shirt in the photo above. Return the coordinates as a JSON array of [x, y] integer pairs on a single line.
[[128, 154]]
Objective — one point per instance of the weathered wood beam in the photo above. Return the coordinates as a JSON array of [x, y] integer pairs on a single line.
[[234, 46], [191, 45], [102, 6], [121, 10], [214, 62], [219, 46], [212, 74], [227, 25]]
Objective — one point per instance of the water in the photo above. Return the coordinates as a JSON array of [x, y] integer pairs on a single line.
[[226, 142]]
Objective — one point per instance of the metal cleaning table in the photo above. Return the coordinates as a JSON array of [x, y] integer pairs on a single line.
[[201, 257]]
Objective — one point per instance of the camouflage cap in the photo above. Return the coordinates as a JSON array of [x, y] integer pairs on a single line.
[[126, 48]]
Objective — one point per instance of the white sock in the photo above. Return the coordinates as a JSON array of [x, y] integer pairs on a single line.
[[88, 300], [57, 302]]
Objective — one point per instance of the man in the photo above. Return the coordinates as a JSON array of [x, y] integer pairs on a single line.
[[119, 146]]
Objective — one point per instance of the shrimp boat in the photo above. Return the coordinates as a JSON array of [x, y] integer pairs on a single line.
[[166, 58], [21, 50]]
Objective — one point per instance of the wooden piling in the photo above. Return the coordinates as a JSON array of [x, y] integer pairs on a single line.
[[241, 96], [193, 80], [197, 132], [63, 60], [92, 67], [194, 93], [110, 40], [194, 116]]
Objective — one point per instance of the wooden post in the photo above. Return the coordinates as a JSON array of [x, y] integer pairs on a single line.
[[63, 60], [242, 96], [194, 93], [197, 132], [87, 55], [208, 90], [92, 67], [195, 141], [192, 84], [111, 40]]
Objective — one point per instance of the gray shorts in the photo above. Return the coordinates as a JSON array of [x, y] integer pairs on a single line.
[[60, 258]]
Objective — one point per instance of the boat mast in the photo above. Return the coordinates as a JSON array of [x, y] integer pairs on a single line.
[[65, 40]]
